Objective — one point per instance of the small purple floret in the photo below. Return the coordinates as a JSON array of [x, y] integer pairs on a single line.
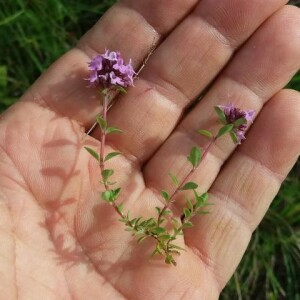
[[232, 114], [108, 70]]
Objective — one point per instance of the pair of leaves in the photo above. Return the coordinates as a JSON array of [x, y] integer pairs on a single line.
[[201, 200], [228, 127], [103, 125], [96, 155], [161, 212], [225, 129], [111, 196]]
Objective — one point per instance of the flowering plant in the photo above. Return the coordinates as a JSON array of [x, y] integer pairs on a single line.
[[109, 73]]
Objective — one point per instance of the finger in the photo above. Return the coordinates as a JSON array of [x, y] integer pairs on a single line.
[[131, 27], [179, 70], [249, 81], [246, 186]]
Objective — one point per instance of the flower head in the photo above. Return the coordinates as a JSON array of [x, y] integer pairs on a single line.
[[240, 120], [108, 70]]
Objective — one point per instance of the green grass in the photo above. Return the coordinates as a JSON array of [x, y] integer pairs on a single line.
[[35, 33], [270, 267]]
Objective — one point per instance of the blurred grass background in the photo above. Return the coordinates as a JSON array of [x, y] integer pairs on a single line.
[[34, 33]]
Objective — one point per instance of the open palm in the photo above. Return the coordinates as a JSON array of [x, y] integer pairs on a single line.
[[59, 241]]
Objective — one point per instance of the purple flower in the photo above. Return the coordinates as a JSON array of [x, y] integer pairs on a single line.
[[239, 118], [108, 70]]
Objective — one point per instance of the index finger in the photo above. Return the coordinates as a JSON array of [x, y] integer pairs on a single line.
[[131, 27]]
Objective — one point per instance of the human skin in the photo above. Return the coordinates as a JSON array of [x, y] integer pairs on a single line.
[[59, 241]]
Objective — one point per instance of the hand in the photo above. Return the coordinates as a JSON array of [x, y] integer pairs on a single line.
[[59, 240]]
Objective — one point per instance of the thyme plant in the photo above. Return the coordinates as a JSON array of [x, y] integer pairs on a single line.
[[109, 74]]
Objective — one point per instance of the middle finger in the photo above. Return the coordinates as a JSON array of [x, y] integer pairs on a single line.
[[180, 69]]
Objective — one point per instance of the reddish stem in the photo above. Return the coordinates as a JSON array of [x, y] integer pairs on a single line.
[[186, 178], [102, 146], [103, 132]]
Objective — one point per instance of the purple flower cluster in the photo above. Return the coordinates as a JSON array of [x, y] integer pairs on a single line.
[[233, 114], [108, 70]]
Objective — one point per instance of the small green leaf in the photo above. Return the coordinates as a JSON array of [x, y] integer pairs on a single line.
[[92, 152], [206, 133], [176, 247], [106, 174], [200, 200], [121, 89], [102, 123], [187, 225], [120, 207], [138, 233], [204, 197], [195, 157], [150, 222], [240, 121], [164, 237], [158, 230], [116, 193], [113, 130], [158, 209], [170, 260], [176, 222], [111, 155], [155, 251], [111, 196], [225, 129], [111, 182], [190, 204], [141, 239], [166, 212], [174, 179], [129, 229], [106, 196], [220, 114], [133, 221], [104, 91], [187, 212], [234, 137], [165, 195], [189, 186], [138, 220]]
